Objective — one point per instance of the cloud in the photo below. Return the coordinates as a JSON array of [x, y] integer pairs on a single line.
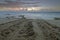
[[7, 3], [30, 2], [50, 4]]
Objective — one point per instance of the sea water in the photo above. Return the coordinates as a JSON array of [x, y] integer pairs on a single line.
[[30, 15]]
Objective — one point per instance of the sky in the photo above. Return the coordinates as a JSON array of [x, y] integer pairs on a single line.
[[36, 5]]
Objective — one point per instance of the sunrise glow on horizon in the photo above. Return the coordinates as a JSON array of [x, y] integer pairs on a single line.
[[23, 9]]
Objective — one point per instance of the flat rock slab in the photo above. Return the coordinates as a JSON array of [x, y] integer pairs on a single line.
[[39, 32]]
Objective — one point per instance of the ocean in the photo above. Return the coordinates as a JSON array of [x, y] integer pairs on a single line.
[[30, 15]]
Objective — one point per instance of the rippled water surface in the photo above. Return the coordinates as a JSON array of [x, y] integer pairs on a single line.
[[38, 15]]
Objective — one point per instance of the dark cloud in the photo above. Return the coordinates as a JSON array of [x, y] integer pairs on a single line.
[[10, 3], [17, 2]]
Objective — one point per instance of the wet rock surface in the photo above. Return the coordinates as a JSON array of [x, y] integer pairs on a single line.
[[29, 30], [18, 31], [50, 32]]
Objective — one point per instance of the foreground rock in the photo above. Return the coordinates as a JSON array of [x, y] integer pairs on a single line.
[[24, 29], [20, 30], [50, 32]]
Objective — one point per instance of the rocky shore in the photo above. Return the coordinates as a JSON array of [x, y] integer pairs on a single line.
[[17, 30], [26, 29]]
